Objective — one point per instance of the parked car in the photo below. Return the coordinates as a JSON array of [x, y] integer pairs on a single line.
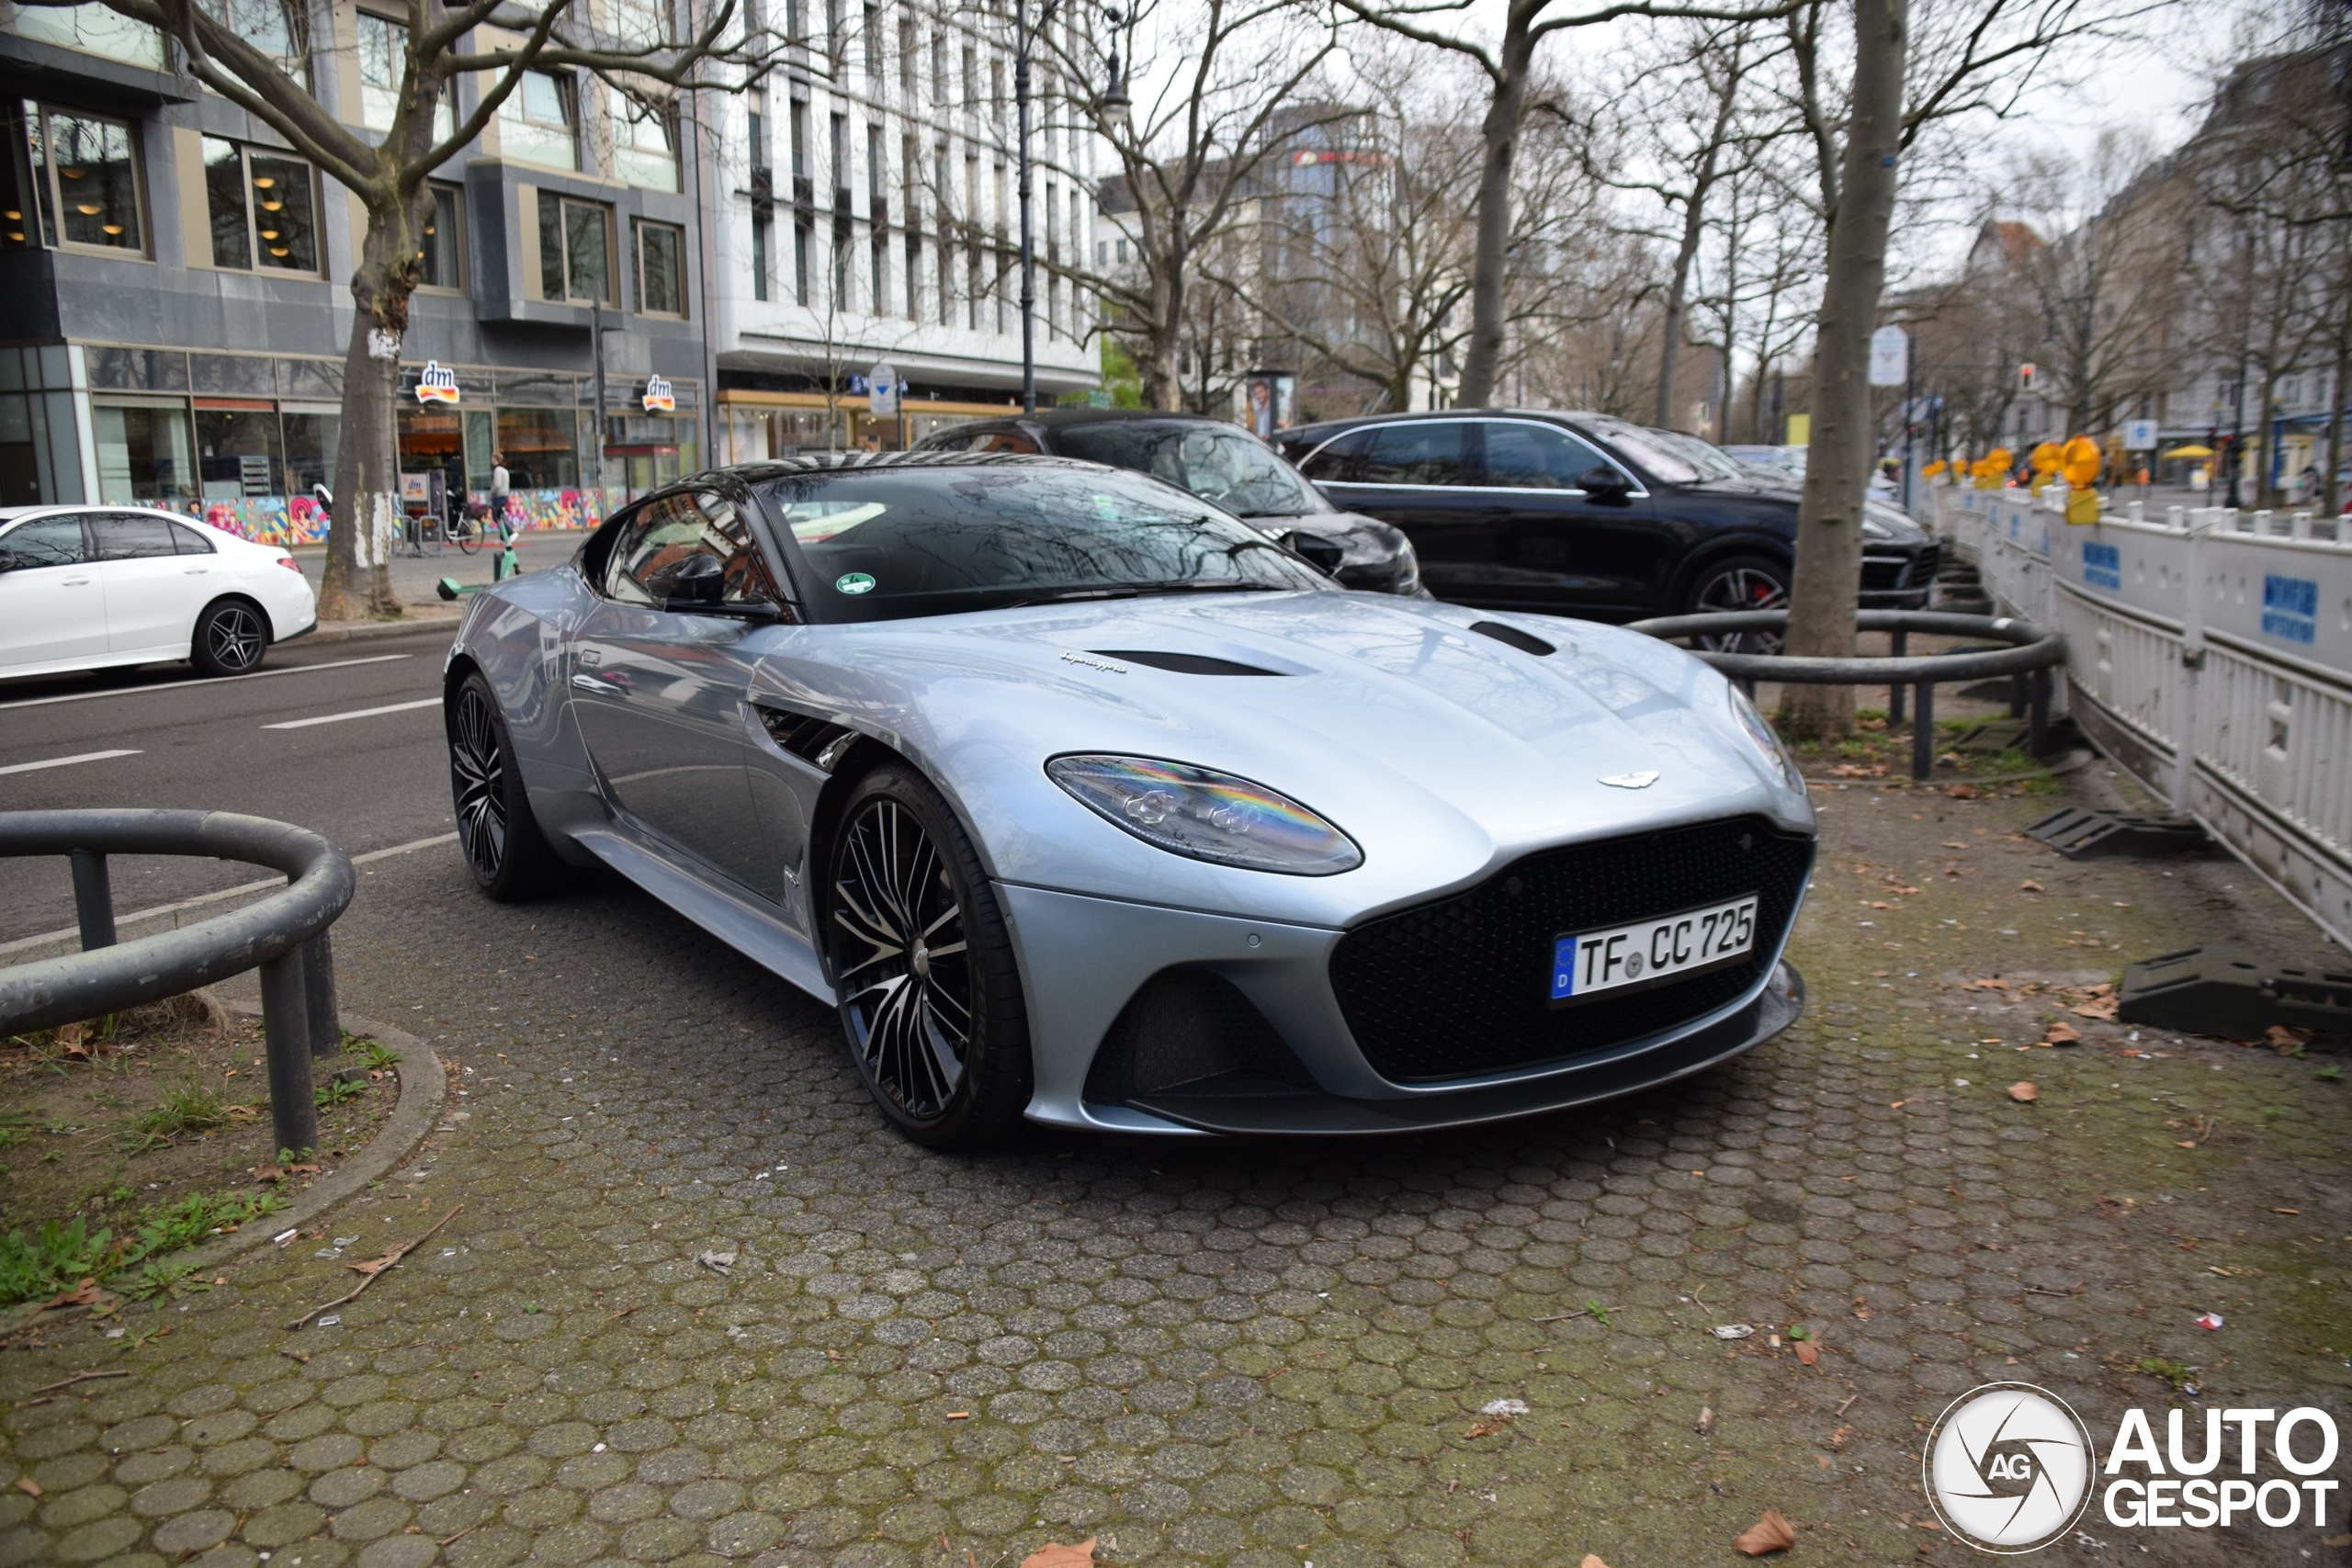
[[1085, 804], [1588, 516], [87, 587], [1220, 463], [1792, 460]]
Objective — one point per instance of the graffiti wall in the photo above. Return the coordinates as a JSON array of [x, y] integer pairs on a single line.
[[296, 520]]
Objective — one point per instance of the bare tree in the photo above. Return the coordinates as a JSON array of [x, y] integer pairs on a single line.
[[1507, 63], [1220, 89], [2102, 282], [1962, 59], [491, 44]]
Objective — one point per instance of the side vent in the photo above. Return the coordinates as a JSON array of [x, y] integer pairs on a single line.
[[1181, 663], [813, 741], [1512, 637]]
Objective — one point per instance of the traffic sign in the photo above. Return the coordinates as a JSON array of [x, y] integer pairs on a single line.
[[1890, 356], [2138, 434], [882, 389]]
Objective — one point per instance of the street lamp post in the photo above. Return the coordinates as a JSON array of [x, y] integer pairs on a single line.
[[1113, 100]]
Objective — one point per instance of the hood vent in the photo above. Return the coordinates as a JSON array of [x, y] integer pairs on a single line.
[[1185, 663], [1512, 637]]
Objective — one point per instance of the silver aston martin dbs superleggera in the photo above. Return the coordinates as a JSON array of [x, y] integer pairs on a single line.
[[1086, 802]]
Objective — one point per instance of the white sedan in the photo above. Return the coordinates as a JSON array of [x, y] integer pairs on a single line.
[[85, 587]]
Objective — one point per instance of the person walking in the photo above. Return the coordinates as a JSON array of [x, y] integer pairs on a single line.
[[499, 486]]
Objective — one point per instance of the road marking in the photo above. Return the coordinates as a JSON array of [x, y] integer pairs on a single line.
[[63, 762], [356, 713], [206, 681], [45, 938]]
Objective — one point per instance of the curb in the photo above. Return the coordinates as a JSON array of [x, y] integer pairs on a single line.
[[423, 1091], [362, 631]]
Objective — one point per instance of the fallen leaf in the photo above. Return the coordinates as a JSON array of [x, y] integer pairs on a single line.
[[1485, 1428], [29, 1486], [1056, 1555], [2024, 1093], [2286, 1211], [1706, 1419], [2060, 1033], [1879, 904], [1957, 792], [1822, 1459], [719, 1263], [375, 1265], [1772, 1533], [1591, 1561], [302, 1170], [2030, 886], [1808, 1352], [268, 1173], [2280, 1037]]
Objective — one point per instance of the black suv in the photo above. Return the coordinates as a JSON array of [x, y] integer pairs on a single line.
[[1221, 463], [1588, 515]]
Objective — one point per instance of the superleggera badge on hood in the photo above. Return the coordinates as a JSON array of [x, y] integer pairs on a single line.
[[1631, 781], [1093, 663]]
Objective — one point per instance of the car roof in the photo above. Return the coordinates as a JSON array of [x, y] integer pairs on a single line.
[[845, 462], [1324, 430]]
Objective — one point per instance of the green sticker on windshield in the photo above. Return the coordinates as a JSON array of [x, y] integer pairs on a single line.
[[852, 582]]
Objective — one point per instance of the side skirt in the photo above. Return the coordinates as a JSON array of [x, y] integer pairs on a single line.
[[733, 918]]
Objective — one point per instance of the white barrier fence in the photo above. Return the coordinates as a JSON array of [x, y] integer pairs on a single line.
[[2210, 653]]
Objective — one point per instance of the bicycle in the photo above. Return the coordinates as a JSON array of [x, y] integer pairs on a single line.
[[464, 532]]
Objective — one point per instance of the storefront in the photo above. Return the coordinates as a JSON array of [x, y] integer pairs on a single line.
[[756, 426]]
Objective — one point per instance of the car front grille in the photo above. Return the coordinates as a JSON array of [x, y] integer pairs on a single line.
[[1885, 573], [1462, 987]]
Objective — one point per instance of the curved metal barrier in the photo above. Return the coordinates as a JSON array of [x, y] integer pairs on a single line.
[[2032, 655], [284, 934]]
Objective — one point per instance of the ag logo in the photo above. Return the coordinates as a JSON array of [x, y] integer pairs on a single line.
[[2009, 1467]]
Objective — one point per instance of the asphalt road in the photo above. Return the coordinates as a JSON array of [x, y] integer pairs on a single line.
[[340, 737]]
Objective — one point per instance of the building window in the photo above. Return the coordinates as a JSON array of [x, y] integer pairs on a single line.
[[801, 239], [438, 248], [906, 63], [575, 250], [143, 452], [660, 269], [645, 143], [94, 29], [799, 139], [640, 24], [874, 45], [86, 171], [762, 228], [264, 208], [540, 121], [836, 38], [383, 61], [881, 258]]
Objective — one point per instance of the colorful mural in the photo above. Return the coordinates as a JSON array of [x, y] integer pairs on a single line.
[[297, 520]]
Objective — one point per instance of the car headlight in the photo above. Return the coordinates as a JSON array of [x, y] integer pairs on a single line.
[[1874, 529], [1766, 741], [1206, 815]]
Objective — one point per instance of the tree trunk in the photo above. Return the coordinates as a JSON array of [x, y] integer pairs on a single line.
[[1677, 290], [2331, 500], [1491, 256], [1163, 386], [1829, 539], [358, 581]]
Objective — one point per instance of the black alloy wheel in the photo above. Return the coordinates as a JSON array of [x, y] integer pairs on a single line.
[[1741, 583], [229, 639], [929, 996], [496, 831]]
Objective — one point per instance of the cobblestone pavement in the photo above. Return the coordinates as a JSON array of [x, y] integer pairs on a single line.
[[1257, 1353]]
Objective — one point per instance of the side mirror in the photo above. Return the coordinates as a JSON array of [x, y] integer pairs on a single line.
[[698, 583], [1604, 484], [1323, 554]]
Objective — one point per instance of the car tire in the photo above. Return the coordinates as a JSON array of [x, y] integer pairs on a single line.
[[1739, 582], [505, 852], [232, 638], [940, 1037]]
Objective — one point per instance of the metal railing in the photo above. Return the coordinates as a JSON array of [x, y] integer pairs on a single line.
[[2032, 655], [284, 934]]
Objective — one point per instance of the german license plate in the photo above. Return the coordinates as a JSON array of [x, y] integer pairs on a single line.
[[1650, 951]]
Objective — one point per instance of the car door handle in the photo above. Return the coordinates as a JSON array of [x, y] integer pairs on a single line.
[[590, 683], [76, 582], [195, 570]]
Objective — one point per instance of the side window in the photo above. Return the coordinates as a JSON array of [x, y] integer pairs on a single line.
[[129, 537], [44, 541], [1338, 462], [655, 549], [1418, 454], [191, 543], [1535, 456], [1005, 441]]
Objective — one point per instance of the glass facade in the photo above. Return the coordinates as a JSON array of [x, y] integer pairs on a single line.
[[144, 453]]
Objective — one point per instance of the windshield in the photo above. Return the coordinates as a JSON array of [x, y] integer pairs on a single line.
[[1705, 456], [1215, 462], [1664, 462], [885, 544]]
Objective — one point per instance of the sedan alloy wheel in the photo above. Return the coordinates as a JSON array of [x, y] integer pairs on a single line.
[[902, 960]]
